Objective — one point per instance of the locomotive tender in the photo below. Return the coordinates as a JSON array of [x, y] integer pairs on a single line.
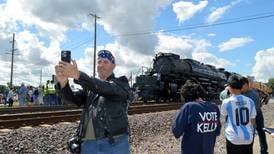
[[163, 82]]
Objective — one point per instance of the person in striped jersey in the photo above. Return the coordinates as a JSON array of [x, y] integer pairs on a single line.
[[240, 114]]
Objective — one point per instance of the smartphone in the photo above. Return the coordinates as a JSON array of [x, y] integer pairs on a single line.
[[66, 56]]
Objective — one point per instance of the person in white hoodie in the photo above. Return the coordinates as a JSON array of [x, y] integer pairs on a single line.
[[10, 97]]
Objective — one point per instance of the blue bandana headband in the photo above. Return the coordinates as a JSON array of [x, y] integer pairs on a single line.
[[107, 55]]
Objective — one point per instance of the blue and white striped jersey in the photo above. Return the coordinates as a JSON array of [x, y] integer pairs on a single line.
[[239, 110]]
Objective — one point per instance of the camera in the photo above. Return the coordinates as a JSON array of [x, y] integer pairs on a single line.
[[74, 145], [66, 56]]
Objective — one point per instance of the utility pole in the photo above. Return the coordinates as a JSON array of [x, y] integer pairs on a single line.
[[94, 52], [12, 58], [131, 78]]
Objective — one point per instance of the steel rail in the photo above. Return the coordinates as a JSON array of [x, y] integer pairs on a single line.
[[50, 117], [25, 109]]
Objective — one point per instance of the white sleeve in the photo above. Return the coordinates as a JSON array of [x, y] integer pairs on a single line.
[[223, 108]]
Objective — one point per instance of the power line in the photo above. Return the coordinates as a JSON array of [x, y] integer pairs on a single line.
[[196, 26], [80, 44], [185, 27], [77, 43], [227, 20]]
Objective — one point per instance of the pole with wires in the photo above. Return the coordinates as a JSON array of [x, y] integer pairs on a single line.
[[94, 52], [12, 59]]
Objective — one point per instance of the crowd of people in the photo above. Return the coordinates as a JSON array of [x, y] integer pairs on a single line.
[[28, 95], [199, 121], [104, 126]]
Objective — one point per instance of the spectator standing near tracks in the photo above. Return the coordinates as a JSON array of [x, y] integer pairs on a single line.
[[253, 94], [30, 95], [6, 92], [46, 94], [41, 95], [198, 121], [104, 122], [22, 94], [51, 93], [35, 96], [10, 97], [240, 114]]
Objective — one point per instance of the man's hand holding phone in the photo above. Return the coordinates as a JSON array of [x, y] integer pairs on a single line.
[[68, 66], [61, 75]]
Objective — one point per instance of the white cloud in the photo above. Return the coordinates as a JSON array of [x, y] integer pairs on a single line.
[[211, 34], [234, 43], [5, 47], [208, 58], [218, 13], [129, 60], [264, 66], [182, 46], [185, 10], [201, 45], [30, 57], [53, 18], [190, 48], [34, 20], [130, 17]]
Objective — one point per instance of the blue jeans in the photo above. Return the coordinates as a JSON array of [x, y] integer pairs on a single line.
[[51, 99], [22, 100], [102, 146], [48, 100], [261, 133]]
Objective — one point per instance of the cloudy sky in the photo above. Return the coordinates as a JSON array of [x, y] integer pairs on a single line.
[[236, 35]]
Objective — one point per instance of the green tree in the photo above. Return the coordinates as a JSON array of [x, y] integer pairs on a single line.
[[270, 83], [2, 88], [8, 84]]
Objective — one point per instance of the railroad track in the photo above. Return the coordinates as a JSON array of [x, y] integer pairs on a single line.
[[50, 117], [26, 109]]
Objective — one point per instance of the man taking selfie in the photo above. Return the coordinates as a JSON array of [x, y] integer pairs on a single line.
[[104, 122]]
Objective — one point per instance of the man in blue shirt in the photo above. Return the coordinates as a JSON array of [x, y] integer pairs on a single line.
[[22, 94], [253, 94], [198, 121]]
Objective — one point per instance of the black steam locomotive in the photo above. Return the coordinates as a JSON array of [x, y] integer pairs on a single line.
[[162, 83]]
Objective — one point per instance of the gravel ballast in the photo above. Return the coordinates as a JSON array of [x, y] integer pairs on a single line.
[[150, 133]]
